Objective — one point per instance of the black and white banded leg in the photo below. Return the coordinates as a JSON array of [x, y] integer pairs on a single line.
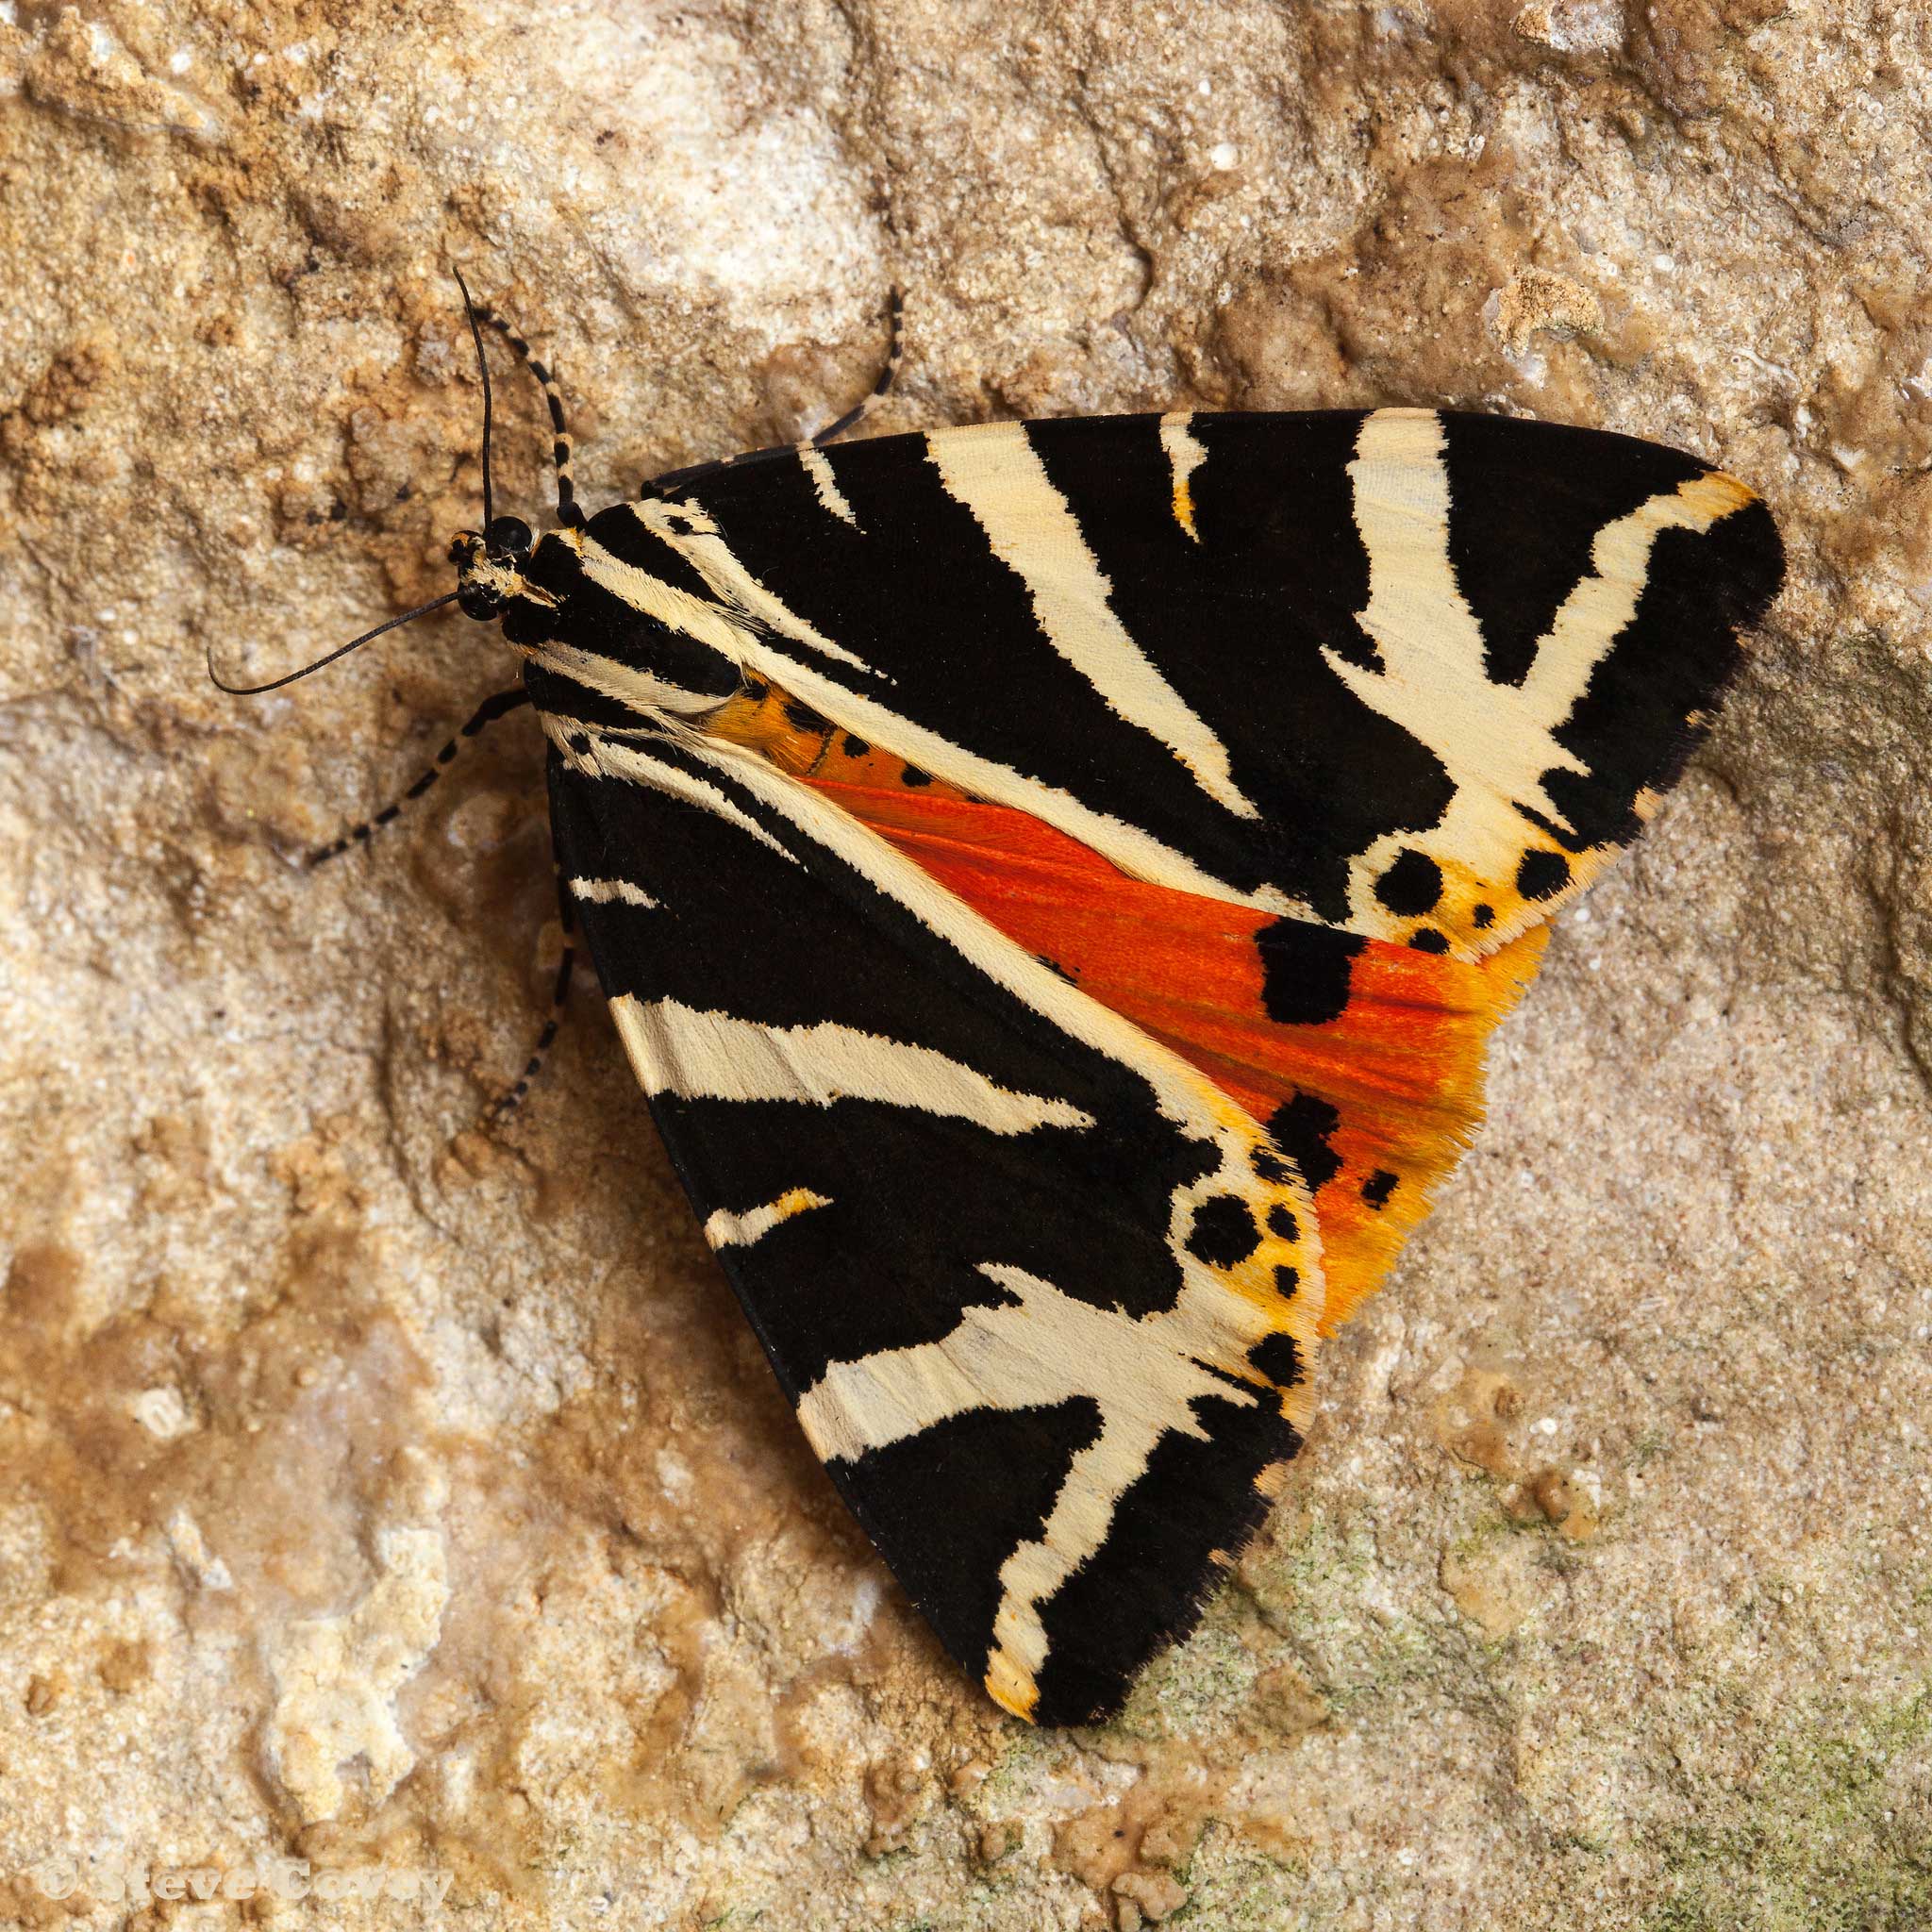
[[493, 707], [896, 350], [568, 511], [559, 1001]]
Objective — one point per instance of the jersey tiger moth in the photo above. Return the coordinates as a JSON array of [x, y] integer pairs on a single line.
[[1056, 881]]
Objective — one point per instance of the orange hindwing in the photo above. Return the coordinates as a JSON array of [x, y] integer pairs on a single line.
[[1373, 1105]]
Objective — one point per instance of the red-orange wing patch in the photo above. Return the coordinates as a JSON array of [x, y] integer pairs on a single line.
[[797, 740], [1374, 1105]]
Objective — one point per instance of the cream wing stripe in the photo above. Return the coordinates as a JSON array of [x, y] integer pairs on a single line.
[[607, 759], [702, 1055], [1496, 741], [1051, 1348], [1144, 1375], [613, 892], [693, 533], [824, 485], [609, 677], [1185, 455], [1432, 680], [725, 1229], [1601, 606], [670, 605], [997, 473]]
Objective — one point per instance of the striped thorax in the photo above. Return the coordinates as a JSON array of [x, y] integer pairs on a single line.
[[609, 607]]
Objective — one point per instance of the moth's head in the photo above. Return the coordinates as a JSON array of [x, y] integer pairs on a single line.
[[492, 579], [489, 566], [501, 567]]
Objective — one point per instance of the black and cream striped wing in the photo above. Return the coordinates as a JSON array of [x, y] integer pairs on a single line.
[[1411, 674], [1041, 1294]]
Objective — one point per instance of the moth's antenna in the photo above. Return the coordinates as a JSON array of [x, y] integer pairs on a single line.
[[483, 369], [567, 510], [255, 691]]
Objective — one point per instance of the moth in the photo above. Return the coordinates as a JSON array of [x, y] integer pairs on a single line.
[[1055, 880]]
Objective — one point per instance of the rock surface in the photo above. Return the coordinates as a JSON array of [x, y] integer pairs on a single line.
[[403, 1496]]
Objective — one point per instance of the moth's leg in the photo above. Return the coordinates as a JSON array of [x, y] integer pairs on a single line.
[[560, 1000], [657, 485], [895, 349], [561, 447], [487, 713]]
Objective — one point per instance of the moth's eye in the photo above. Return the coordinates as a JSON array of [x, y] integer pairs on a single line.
[[478, 601], [507, 533]]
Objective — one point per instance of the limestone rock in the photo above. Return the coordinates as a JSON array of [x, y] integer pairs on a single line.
[[397, 1493]]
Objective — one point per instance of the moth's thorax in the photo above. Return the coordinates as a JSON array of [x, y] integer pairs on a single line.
[[613, 608]]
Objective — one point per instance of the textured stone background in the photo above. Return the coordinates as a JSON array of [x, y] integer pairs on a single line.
[[376, 1487]]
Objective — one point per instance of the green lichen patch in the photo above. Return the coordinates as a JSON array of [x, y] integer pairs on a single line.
[[1831, 1832]]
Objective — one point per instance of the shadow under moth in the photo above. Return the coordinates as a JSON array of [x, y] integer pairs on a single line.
[[1056, 881]]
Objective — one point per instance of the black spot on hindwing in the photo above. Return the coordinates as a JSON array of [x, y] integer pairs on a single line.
[[1541, 875], [1413, 884], [1379, 1186], [1278, 1358], [1223, 1232], [1301, 1128], [1306, 971]]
